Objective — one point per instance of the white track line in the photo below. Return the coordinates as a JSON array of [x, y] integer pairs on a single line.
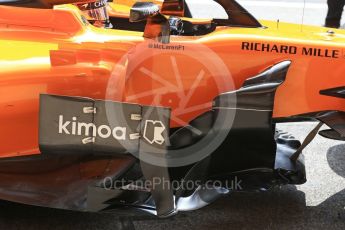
[[285, 4], [298, 5]]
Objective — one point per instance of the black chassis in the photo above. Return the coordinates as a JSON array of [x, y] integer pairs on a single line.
[[64, 174]]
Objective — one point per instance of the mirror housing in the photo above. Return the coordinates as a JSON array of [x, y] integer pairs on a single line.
[[141, 11], [157, 25]]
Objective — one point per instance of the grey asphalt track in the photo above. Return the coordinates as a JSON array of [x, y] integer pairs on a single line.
[[318, 204]]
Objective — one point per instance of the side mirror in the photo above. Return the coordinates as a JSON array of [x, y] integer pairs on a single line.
[[141, 11], [157, 25]]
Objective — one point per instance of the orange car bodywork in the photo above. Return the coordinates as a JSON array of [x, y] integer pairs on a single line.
[[56, 52]]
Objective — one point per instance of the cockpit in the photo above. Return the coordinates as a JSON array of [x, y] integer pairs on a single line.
[[176, 17]]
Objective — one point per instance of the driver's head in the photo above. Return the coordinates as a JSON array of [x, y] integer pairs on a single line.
[[96, 12]]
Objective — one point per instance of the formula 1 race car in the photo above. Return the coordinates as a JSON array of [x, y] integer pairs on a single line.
[[137, 107]]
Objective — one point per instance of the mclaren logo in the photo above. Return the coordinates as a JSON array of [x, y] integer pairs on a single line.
[[153, 131]]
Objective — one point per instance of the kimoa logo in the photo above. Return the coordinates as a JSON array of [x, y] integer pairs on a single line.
[[153, 131], [90, 129]]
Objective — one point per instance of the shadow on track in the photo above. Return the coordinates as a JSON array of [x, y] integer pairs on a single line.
[[283, 208]]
